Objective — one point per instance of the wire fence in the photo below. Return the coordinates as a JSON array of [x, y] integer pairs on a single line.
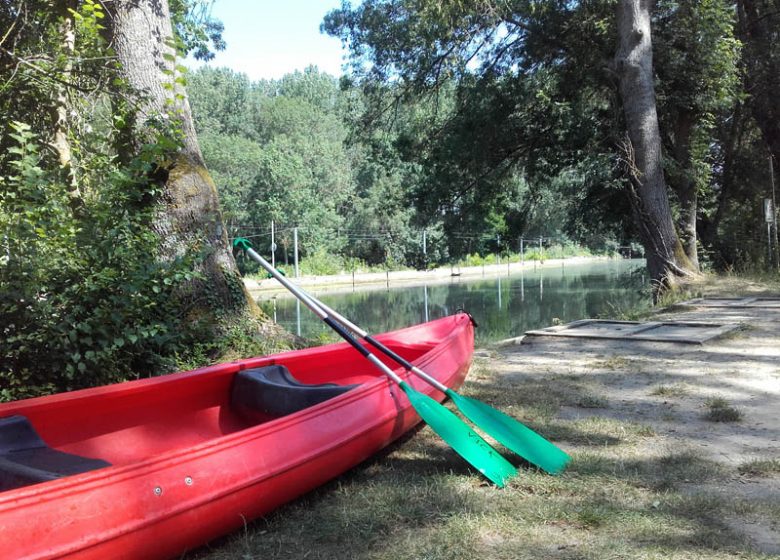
[[738, 251]]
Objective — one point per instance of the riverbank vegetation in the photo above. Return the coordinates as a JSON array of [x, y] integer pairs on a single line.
[[321, 263]]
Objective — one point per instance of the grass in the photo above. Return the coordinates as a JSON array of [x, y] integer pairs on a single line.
[[623, 496], [670, 391], [761, 467], [719, 410], [418, 502], [592, 401], [530, 253], [612, 363]]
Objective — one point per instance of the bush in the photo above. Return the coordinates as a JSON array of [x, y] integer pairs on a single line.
[[83, 299]]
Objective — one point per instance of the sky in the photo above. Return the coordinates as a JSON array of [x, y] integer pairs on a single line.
[[270, 38]]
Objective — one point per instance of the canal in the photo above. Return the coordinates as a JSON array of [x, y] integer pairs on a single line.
[[503, 306]]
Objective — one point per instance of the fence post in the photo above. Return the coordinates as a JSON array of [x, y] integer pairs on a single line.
[[522, 253], [776, 255], [295, 243], [273, 246]]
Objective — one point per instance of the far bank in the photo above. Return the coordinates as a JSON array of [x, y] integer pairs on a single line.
[[270, 288]]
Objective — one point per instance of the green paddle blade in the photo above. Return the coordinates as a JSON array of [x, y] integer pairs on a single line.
[[519, 438], [461, 438]]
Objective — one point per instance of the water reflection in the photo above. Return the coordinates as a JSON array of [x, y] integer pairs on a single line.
[[504, 306]]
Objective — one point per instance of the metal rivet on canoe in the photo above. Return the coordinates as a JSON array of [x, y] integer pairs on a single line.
[[158, 490], [188, 480]]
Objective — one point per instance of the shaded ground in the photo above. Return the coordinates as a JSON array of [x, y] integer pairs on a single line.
[[671, 389], [651, 477]]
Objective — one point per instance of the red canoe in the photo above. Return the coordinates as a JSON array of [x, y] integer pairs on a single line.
[[151, 468]]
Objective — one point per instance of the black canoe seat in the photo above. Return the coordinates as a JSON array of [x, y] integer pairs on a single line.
[[259, 394], [25, 458]]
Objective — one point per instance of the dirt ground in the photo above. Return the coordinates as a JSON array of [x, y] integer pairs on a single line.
[[671, 388]]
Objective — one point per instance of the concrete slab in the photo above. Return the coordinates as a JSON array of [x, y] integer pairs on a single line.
[[686, 332], [735, 302]]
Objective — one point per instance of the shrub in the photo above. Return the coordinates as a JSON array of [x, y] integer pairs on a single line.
[[84, 300]]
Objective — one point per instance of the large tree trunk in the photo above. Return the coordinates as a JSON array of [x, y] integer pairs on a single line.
[[189, 217], [666, 258]]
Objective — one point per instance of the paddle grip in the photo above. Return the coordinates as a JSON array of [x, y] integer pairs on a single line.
[[378, 345], [343, 333]]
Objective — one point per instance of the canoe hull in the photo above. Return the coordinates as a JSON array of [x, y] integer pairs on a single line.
[[173, 501]]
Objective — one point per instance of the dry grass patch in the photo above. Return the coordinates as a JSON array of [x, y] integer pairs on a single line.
[[761, 467], [592, 401], [611, 363], [670, 391], [719, 410]]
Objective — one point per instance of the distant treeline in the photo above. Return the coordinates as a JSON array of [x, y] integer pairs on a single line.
[[300, 152]]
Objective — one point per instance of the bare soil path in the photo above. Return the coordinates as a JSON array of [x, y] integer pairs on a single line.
[[678, 390]]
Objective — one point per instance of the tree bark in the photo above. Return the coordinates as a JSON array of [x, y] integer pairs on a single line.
[[189, 217], [61, 108], [666, 257]]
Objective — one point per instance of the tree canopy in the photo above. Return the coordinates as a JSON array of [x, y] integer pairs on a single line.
[[476, 123]]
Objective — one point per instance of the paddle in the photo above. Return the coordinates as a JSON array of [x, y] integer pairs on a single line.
[[519, 438], [465, 441], [513, 434]]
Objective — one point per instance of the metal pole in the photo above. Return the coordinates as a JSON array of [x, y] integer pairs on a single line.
[[774, 210], [425, 246], [273, 246], [522, 253], [295, 243]]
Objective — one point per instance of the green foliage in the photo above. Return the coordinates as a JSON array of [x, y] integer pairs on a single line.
[[197, 32], [509, 110], [321, 263], [86, 295], [277, 151], [502, 113], [82, 301]]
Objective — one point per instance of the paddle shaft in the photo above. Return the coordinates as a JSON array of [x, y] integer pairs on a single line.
[[318, 310], [465, 441], [378, 345]]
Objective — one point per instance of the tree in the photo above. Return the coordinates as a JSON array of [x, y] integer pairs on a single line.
[[695, 58], [634, 64], [760, 21], [89, 292], [533, 100], [189, 217]]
